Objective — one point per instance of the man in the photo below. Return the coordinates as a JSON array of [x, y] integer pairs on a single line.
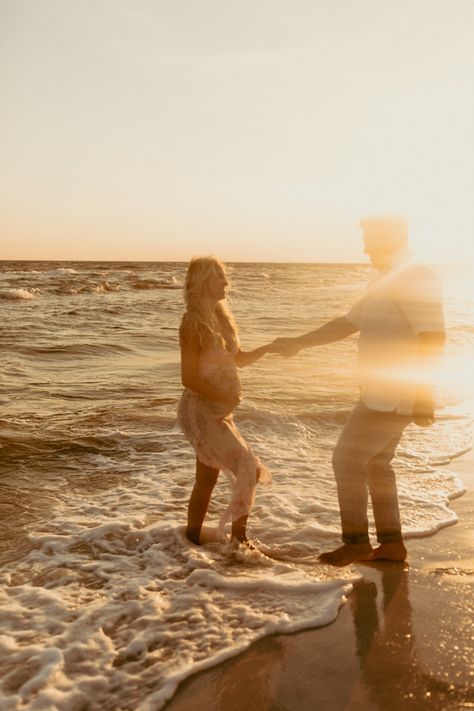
[[401, 333]]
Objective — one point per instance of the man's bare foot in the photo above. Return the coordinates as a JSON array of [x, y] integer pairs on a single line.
[[346, 554], [388, 551]]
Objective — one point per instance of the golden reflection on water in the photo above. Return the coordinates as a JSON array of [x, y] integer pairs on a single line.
[[456, 378]]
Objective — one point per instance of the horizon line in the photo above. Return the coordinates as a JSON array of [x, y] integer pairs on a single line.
[[226, 261], [172, 261]]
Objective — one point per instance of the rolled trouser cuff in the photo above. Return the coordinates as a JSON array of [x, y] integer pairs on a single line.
[[395, 537], [355, 539]]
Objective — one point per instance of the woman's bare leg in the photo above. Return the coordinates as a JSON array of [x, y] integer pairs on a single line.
[[239, 529], [206, 478]]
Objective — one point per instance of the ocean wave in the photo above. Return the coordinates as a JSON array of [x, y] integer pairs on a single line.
[[171, 283], [101, 288], [68, 281], [75, 350], [18, 444], [77, 287], [18, 294], [106, 287], [271, 417]]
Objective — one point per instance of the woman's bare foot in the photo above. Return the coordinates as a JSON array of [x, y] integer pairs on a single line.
[[246, 544], [207, 534], [388, 551], [239, 530], [346, 554]]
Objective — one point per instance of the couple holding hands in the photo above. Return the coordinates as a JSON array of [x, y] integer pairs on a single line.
[[400, 324]]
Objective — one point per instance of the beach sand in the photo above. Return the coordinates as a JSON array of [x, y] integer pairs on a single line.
[[404, 640]]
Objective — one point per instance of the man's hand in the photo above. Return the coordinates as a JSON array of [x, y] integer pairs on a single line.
[[334, 330], [423, 409], [287, 347]]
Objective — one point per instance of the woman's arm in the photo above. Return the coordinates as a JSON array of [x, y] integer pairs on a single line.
[[190, 351], [244, 358]]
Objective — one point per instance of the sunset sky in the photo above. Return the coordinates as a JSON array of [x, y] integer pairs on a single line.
[[257, 129]]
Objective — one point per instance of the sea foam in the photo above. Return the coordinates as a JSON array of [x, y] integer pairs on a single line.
[[111, 605]]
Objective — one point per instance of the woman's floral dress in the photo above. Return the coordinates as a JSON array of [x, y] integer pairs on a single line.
[[210, 428]]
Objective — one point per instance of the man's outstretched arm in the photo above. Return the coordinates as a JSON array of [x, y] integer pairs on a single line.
[[334, 330]]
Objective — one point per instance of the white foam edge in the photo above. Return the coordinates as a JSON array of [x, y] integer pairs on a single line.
[[210, 578], [157, 699], [449, 475], [451, 518]]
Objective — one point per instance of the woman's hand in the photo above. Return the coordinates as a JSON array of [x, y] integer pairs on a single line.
[[231, 400], [282, 346], [244, 358]]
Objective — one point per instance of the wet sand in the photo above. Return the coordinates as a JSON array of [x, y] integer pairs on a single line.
[[404, 640]]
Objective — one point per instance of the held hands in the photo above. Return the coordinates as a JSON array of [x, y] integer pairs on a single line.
[[286, 347]]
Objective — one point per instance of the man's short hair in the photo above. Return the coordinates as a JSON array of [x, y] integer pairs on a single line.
[[390, 229]]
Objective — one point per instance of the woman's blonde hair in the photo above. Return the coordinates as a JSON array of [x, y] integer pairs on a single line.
[[205, 320]]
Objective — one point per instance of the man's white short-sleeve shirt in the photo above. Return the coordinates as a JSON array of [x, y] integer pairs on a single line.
[[401, 302]]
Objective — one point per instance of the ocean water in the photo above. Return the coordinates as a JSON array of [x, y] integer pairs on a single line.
[[103, 603]]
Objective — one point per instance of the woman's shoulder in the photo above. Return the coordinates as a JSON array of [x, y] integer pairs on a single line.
[[189, 328]]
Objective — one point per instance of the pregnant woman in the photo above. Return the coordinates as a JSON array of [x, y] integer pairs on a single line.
[[210, 358]]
